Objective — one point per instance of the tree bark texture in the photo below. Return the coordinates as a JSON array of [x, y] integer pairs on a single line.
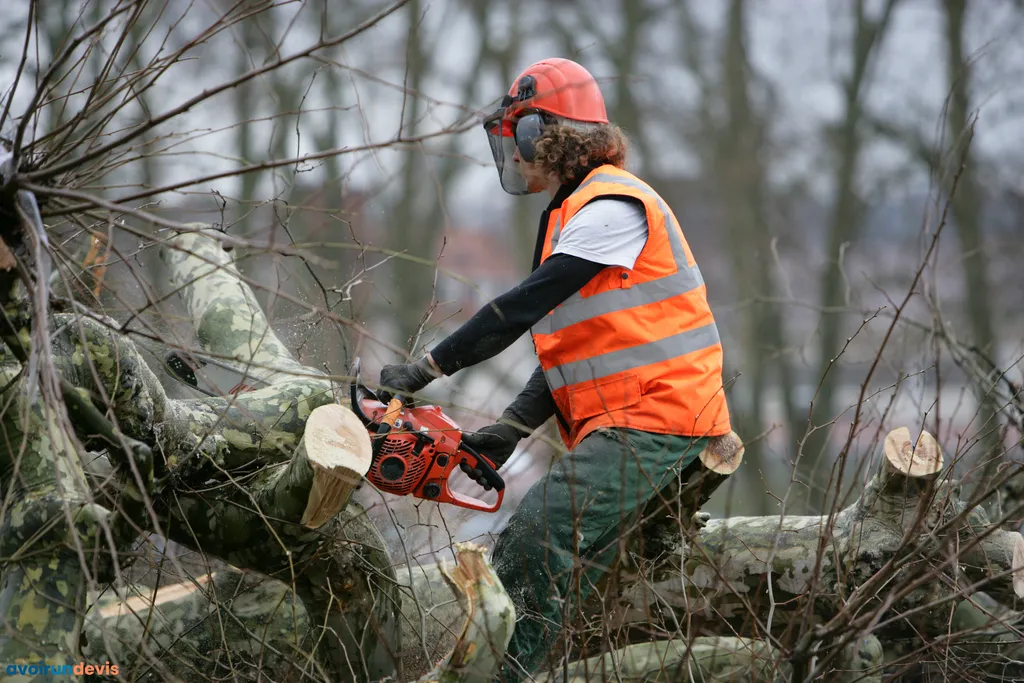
[[224, 625], [235, 624], [341, 570], [56, 540], [742, 570], [228, 485]]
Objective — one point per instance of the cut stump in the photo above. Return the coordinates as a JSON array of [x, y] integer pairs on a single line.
[[337, 447]]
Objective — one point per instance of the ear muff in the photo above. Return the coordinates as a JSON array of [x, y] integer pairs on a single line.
[[527, 131]]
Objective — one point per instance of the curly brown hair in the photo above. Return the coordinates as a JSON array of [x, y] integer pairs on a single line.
[[569, 153]]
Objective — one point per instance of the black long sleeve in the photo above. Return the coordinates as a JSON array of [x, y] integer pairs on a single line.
[[534, 404], [500, 323]]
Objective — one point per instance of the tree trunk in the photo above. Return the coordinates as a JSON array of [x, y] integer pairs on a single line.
[[966, 204], [340, 570], [229, 624], [822, 568], [250, 628], [814, 461], [904, 526], [241, 480], [716, 659], [738, 162], [55, 540]]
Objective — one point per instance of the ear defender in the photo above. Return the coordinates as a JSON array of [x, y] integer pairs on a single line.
[[527, 131]]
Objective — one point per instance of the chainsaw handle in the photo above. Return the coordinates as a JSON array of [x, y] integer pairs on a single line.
[[473, 503], [394, 409], [386, 424], [484, 465]]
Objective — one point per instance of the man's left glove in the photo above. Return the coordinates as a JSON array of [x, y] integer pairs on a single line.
[[405, 379]]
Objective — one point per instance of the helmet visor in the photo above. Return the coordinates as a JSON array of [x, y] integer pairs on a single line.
[[500, 135]]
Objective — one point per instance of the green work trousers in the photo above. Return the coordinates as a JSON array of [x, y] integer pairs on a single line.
[[568, 530]]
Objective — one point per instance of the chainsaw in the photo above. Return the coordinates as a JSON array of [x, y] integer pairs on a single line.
[[417, 449]]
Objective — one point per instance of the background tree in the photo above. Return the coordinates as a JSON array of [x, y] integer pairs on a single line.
[[815, 456]]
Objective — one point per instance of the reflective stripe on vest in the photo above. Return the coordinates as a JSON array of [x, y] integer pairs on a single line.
[[556, 232], [632, 358]]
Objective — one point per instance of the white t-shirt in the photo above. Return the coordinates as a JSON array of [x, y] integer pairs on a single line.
[[607, 230]]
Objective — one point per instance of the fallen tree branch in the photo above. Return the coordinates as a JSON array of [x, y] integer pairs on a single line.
[[714, 658], [726, 573]]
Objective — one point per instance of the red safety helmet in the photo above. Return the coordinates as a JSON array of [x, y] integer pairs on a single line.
[[550, 91]]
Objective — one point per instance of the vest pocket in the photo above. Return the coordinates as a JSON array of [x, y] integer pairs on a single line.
[[608, 279], [603, 396]]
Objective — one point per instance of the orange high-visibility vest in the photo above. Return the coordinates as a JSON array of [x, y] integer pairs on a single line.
[[635, 348]]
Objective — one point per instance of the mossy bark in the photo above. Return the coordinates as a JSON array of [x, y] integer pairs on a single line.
[[741, 570], [227, 484]]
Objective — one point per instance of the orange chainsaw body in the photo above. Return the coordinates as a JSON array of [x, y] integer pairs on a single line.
[[420, 453], [415, 450]]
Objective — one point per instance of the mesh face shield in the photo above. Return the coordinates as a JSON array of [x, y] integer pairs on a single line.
[[500, 131], [522, 129], [505, 133]]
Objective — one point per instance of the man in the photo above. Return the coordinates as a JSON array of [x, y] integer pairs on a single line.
[[630, 359]]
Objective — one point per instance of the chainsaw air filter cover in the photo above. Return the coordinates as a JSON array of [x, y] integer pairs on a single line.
[[395, 469]]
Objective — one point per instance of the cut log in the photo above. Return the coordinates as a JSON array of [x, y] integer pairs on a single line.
[[316, 483], [726, 573], [716, 462], [903, 460], [723, 454], [678, 504], [337, 446]]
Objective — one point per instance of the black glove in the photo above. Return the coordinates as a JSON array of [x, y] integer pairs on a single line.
[[530, 409], [405, 379], [496, 441]]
